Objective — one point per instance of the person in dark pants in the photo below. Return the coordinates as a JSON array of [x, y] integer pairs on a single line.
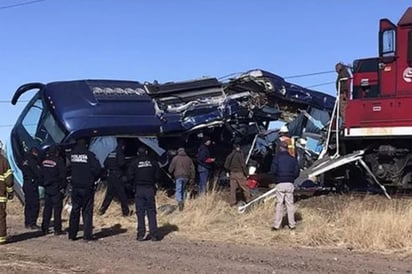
[[144, 171], [204, 162], [31, 178], [85, 169], [54, 182], [114, 164]]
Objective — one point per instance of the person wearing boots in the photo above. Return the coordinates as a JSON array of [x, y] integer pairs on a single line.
[[144, 172], [235, 164], [85, 170], [183, 170], [54, 182], [285, 168], [6, 194], [31, 178], [115, 164]]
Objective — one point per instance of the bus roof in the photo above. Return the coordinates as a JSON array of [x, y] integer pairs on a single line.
[[102, 107]]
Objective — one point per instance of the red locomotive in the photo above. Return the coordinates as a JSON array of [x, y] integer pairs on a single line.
[[378, 116]]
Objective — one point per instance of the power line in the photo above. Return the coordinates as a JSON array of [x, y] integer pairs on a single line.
[[20, 4], [321, 84], [309, 74], [9, 101]]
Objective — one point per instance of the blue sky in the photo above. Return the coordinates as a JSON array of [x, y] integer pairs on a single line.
[[144, 40]]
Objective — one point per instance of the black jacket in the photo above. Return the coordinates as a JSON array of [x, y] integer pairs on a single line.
[[115, 162], [284, 167], [31, 170], [85, 168], [144, 171], [54, 174]]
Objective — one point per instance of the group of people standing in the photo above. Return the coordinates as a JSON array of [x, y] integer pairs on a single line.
[[49, 173], [284, 167], [52, 171], [84, 170]]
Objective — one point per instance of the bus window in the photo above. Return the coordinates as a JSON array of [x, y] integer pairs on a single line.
[[52, 129], [39, 124], [32, 118]]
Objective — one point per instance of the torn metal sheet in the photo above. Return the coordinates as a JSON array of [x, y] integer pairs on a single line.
[[326, 164]]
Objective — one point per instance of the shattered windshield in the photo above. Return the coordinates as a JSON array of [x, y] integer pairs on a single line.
[[41, 126]]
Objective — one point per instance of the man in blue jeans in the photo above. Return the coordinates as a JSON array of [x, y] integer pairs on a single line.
[[204, 164], [183, 170]]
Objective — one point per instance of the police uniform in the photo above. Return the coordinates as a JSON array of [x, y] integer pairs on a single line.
[[85, 169], [31, 179], [54, 182], [114, 165], [6, 193], [144, 171]]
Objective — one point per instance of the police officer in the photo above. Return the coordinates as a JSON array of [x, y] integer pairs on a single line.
[[144, 171], [85, 169], [54, 182], [6, 193], [31, 178], [114, 164]]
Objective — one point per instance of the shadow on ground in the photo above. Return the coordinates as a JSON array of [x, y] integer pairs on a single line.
[[24, 236], [166, 229], [110, 231]]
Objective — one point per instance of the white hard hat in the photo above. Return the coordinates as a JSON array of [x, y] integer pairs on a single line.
[[284, 129]]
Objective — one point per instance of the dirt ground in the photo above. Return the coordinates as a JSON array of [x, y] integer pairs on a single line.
[[117, 251]]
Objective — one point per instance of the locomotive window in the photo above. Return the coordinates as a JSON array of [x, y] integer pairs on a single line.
[[366, 65], [388, 43]]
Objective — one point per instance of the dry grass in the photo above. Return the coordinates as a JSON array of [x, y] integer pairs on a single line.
[[371, 223]]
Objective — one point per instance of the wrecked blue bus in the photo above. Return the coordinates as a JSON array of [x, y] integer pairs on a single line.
[[160, 116]]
